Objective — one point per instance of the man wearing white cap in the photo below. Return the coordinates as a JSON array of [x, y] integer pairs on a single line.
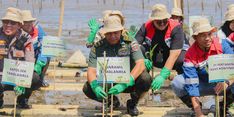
[[36, 32], [166, 39], [117, 45], [193, 83], [15, 44]]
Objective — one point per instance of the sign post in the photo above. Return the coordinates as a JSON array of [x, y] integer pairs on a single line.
[[220, 69], [53, 47], [17, 73], [112, 70]]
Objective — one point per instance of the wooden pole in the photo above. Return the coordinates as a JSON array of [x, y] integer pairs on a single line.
[[54, 76], [221, 7], [182, 6], [202, 8], [61, 18], [224, 101], [104, 85], [188, 5], [217, 105], [175, 4], [111, 112], [15, 101]]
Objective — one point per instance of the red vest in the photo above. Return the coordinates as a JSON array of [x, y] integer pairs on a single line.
[[150, 30]]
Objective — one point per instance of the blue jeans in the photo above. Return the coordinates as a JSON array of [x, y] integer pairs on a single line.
[[204, 87]]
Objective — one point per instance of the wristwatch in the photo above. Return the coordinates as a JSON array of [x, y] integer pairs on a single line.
[[227, 82]]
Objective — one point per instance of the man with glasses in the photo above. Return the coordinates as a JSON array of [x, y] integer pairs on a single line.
[[165, 38], [15, 44], [193, 83], [36, 32]]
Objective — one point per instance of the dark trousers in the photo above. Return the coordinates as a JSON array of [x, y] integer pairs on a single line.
[[160, 58], [36, 84], [142, 85]]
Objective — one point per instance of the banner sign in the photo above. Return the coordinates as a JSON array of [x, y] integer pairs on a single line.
[[118, 69], [221, 67], [53, 46], [17, 73]]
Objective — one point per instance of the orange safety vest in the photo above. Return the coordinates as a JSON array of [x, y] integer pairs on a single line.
[[150, 30]]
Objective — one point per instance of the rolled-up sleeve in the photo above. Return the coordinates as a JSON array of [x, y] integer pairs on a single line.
[[136, 53], [29, 52], [92, 58]]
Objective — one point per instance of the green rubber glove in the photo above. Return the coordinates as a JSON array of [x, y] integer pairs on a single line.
[[131, 34], [94, 27], [38, 66], [19, 90], [148, 64], [98, 90], [133, 30], [159, 80], [119, 88]]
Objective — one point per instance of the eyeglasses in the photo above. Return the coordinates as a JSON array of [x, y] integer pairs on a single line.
[[161, 22], [9, 22]]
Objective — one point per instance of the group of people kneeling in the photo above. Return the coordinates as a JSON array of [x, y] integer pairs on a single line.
[[162, 35]]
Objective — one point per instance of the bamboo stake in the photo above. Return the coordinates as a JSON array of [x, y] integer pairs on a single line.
[[221, 6], [54, 76], [15, 101], [61, 18], [104, 85], [111, 112], [202, 8], [217, 105], [224, 101], [17, 3], [40, 7], [175, 4], [182, 6], [188, 7], [123, 4], [32, 6]]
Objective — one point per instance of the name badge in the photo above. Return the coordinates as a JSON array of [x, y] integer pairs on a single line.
[[18, 53]]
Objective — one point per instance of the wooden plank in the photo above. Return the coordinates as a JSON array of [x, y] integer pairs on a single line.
[[72, 65], [41, 112], [62, 72], [76, 110], [64, 87]]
